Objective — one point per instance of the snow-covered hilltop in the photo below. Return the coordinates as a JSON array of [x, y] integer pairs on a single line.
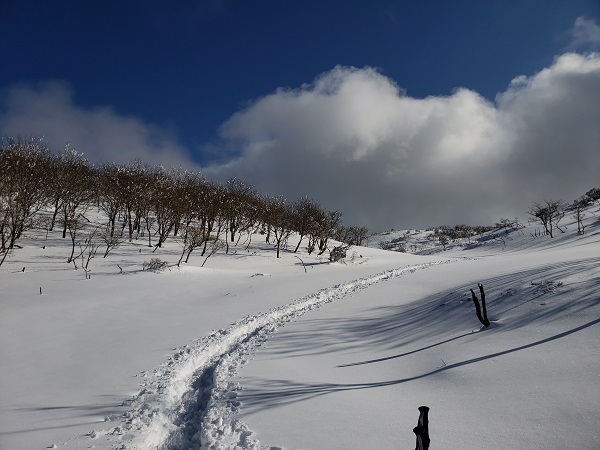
[[464, 237], [252, 351]]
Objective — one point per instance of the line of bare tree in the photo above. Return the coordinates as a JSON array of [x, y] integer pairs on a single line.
[[549, 213], [143, 202]]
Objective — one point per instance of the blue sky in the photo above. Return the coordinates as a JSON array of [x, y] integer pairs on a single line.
[[182, 74], [190, 65]]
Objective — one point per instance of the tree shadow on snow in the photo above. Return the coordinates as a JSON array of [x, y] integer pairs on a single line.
[[274, 393], [516, 300], [75, 413], [387, 358]]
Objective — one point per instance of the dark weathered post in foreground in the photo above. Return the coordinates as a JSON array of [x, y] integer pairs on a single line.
[[482, 318], [422, 429]]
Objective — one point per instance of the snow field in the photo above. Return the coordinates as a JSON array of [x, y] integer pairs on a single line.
[[168, 413], [344, 374], [69, 357], [355, 372]]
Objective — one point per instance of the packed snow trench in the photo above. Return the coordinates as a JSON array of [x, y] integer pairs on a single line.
[[114, 362], [181, 405], [83, 335]]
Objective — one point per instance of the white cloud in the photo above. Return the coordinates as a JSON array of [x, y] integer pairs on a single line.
[[355, 142], [101, 134], [585, 35]]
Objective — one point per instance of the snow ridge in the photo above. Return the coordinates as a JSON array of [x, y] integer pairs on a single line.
[[188, 402]]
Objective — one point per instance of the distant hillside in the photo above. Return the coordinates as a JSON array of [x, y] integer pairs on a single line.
[[505, 234]]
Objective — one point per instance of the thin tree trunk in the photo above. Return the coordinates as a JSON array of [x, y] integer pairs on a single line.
[[56, 208], [299, 242]]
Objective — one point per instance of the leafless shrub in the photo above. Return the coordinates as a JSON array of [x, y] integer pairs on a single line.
[[155, 265], [338, 253], [386, 245]]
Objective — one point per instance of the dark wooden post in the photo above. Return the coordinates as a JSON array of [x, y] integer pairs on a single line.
[[422, 429]]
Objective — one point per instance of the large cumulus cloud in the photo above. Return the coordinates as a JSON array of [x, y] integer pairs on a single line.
[[353, 140], [356, 142]]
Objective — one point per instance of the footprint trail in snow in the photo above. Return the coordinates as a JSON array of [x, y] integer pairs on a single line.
[[188, 402]]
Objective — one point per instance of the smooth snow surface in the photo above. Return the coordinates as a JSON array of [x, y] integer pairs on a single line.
[[255, 352]]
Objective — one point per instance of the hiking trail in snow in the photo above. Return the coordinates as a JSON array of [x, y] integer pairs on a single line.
[[188, 402]]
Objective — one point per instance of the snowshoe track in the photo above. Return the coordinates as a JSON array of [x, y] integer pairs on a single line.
[[187, 402]]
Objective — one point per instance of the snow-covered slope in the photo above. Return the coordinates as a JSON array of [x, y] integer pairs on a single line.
[[257, 352], [512, 235]]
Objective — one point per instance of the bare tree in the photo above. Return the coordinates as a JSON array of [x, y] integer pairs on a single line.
[[133, 182], [55, 187], [592, 195], [443, 239], [163, 200], [357, 235], [328, 225], [210, 211], [216, 244], [89, 249], [78, 180], [189, 187], [23, 171], [279, 218], [84, 237], [325, 225], [306, 211], [240, 207], [111, 242], [351, 235], [193, 238], [578, 216], [108, 194], [32, 178], [548, 213]]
